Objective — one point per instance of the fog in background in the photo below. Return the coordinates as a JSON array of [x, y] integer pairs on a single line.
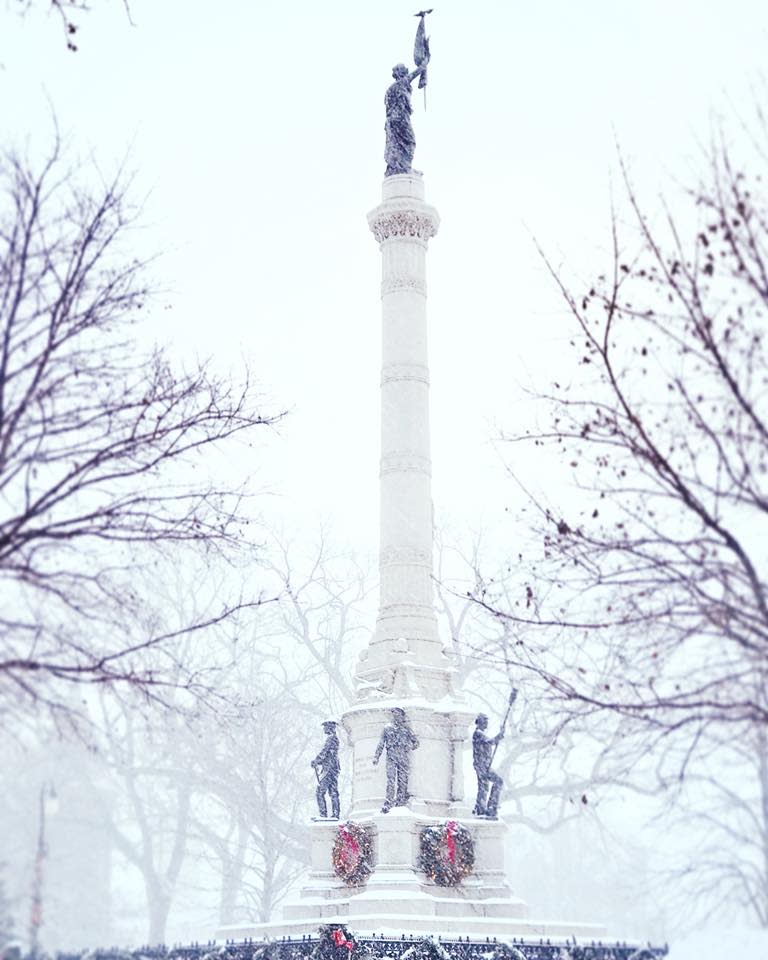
[[253, 137]]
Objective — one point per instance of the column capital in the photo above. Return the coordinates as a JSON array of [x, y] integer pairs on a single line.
[[403, 214], [388, 222]]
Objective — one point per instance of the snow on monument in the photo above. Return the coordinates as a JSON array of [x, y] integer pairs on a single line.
[[416, 851]]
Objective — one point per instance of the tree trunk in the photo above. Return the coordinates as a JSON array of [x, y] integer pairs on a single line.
[[761, 907], [159, 904], [231, 877]]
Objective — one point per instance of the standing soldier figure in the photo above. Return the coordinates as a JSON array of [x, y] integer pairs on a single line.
[[399, 740], [328, 781], [486, 804], [483, 752]]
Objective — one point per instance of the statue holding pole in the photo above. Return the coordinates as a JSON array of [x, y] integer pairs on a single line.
[[489, 783], [400, 140]]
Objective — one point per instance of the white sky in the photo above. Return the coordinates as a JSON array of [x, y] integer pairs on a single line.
[[257, 127]]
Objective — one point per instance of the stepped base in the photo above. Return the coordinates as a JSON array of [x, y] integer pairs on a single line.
[[398, 900], [422, 918], [407, 903]]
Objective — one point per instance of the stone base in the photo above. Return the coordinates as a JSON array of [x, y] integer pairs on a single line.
[[422, 919], [399, 899], [396, 877]]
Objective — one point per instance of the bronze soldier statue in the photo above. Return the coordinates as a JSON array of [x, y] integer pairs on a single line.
[[328, 780], [489, 783], [398, 739]]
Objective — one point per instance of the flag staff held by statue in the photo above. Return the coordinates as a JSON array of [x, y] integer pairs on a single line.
[[512, 698], [421, 51]]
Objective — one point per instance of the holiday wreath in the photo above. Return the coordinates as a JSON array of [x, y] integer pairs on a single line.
[[335, 942], [447, 854], [353, 853]]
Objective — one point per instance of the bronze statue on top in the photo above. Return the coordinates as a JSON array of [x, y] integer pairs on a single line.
[[400, 140]]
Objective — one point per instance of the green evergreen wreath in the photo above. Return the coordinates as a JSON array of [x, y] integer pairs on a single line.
[[335, 942], [352, 853], [447, 854]]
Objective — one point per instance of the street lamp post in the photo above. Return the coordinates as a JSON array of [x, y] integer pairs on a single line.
[[48, 801]]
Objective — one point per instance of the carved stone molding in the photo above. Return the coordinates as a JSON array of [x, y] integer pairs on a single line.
[[396, 283], [403, 223], [394, 555], [394, 372], [411, 609], [405, 463]]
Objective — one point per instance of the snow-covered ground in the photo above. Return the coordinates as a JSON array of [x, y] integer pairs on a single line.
[[721, 945]]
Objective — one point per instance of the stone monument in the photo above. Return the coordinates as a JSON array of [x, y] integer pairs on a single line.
[[409, 856], [406, 670]]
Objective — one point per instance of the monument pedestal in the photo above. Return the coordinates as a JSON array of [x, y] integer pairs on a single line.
[[399, 899], [406, 667], [395, 876]]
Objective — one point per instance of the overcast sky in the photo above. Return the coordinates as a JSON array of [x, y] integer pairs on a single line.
[[256, 129]]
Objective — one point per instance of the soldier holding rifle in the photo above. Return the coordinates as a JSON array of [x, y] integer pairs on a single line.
[[489, 783]]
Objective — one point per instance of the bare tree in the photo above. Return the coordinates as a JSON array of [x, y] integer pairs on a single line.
[[555, 763], [647, 599], [323, 613], [227, 794], [6, 912], [721, 808], [148, 813], [215, 799], [68, 12], [101, 443], [256, 791], [656, 581]]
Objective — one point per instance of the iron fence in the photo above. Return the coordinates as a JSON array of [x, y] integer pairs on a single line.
[[381, 948]]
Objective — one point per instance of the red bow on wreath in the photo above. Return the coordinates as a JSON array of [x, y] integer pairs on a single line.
[[341, 941], [450, 839], [350, 850]]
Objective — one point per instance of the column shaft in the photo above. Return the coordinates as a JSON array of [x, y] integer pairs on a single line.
[[406, 623]]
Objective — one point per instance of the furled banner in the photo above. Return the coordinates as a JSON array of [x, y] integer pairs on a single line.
[[421, 47]]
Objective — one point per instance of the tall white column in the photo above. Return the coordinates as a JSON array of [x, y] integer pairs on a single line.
[[405, 654], [405, 665]]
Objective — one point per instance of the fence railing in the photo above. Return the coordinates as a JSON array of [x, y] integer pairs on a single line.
[[381, 948]]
